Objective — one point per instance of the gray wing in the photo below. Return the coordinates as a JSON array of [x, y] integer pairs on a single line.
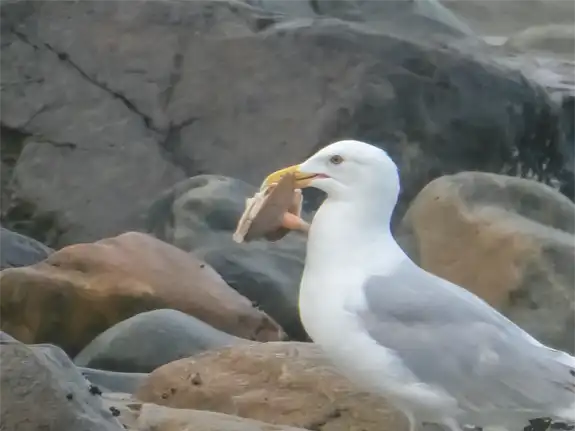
[[448, 337]]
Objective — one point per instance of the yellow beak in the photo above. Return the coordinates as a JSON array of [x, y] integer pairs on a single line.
[[302, 180]]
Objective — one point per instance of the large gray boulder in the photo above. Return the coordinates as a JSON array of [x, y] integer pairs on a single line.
[[110, 103]]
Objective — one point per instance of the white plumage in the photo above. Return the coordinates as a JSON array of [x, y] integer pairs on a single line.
[[435, 350]]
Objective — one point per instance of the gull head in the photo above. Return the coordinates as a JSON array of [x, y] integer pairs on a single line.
[[346, 170]]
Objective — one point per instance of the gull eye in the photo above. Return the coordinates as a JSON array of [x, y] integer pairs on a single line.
[[336, 160]]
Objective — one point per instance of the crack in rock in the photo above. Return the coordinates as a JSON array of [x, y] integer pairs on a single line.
[[176, 72], [65, 57], [170, 148], [169, 134]]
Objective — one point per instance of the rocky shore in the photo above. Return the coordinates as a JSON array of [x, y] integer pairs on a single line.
[[133, 132]]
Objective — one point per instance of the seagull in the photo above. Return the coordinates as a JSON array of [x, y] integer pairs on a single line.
[[434, 350]]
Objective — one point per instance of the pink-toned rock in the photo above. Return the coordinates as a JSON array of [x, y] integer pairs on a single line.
[[83, 289]]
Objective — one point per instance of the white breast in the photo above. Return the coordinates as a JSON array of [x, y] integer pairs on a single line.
[[327, 309]]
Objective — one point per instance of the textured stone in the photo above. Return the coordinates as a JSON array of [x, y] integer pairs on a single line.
[[286, 383], [116, 101], [41, 389], [509, 240]]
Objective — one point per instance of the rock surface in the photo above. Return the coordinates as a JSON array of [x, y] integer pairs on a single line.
[[503, 17], [553, 38], [148, 340], [43, 390], [287, 383], [113, 102], [111, 381], [151, 417], [509, 240], [18, 250], [410, 19], [200, 215], [82, 290]]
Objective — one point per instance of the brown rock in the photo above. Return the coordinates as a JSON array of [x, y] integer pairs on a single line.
[[82, 290], [287, 383], [508, 240], [42, 390]]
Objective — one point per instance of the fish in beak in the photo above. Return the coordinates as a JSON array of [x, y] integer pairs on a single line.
[[301, 181]]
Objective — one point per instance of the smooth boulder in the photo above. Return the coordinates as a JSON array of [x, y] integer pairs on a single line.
[[81, 290], [509, 240], [148, 340]]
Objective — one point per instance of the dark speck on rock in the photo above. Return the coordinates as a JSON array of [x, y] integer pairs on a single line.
[[95, 390], [114, 411], [202, 265], [196, 379], [70, 396]]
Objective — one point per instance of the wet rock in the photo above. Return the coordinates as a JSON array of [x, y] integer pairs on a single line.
[[116, 103], [286, 383], [509, 240], [148, 340], [84, 289], [200, 215], [42, 389]]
